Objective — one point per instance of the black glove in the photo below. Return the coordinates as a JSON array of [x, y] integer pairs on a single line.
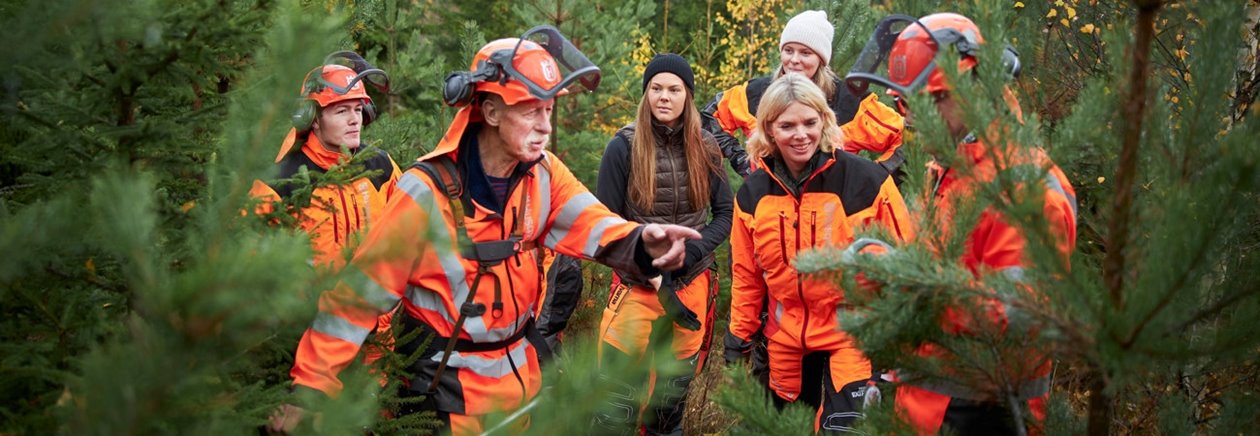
[[682, 316], [735, 349]]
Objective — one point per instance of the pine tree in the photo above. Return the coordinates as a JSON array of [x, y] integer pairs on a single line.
[[1159, 289]]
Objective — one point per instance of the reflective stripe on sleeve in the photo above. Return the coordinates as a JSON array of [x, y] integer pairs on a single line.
[[568, 216], [374, 294], [340, 328]]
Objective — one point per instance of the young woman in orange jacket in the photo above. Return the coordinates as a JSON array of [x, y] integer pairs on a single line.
[[805, 194]]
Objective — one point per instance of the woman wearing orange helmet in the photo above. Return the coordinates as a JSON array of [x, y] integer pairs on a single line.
[[663, 168], [806, 193], [902, 55]]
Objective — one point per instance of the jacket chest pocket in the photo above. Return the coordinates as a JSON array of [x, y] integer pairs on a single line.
[[824, 225]]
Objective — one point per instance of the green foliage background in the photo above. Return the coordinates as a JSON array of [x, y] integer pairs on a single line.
[[137, 300]]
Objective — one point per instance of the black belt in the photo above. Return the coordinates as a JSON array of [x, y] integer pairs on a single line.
[[440, 342]]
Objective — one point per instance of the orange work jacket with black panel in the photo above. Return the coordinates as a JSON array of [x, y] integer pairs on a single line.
[[412, 255], [867, 123], [335, 214], [995, 245], [774, 220]]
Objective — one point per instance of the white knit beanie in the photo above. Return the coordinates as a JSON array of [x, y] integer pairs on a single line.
[[811, 29]]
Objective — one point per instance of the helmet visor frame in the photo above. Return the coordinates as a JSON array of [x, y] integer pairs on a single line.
[[579, 73], [872, 63], [364, 72]]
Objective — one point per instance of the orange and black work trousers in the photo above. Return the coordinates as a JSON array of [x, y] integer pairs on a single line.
[[838, 404], [931, 412], [634, 327], [459, 387]]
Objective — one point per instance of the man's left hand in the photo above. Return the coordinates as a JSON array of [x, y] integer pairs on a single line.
[[666, 243]]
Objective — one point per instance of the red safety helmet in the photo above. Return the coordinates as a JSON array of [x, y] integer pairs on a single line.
[[541, 64], [909, 48]]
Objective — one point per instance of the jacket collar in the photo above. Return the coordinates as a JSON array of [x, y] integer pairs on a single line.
[[321, 155]]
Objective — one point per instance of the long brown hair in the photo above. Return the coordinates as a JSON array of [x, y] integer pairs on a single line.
[[701, 156], [784, 91]]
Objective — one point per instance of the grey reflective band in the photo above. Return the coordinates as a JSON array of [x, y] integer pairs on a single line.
[[568, 217], [340, 328]]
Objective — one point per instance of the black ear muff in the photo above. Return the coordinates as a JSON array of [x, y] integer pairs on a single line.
[[369, 112], [1010, 60], [460, 85]]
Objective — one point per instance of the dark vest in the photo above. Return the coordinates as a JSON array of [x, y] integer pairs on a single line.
[[672, 204]]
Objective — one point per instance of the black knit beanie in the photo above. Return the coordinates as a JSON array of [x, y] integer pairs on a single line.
[[670, 63]]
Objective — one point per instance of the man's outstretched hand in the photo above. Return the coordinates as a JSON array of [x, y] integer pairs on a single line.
[[666, 243]]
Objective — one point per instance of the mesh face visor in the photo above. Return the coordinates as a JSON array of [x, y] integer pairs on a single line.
[[577, 72], [900, 55], [365, 73]]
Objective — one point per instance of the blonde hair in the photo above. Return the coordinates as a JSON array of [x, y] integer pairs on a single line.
[[783, 92], [824, 78], [701, 157]]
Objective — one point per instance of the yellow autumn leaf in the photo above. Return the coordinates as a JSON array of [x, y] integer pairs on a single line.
[[1175, 100], [1182, 53], [1065, 23], [1101, 179], [1053, 13], [1071, 12], [1058, 3], [1088, 28], [1019, 5], [1186, 76]]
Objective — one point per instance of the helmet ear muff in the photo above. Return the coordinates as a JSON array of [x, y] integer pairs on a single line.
[[305, 114], [1010, 60], [307, 109], [461, 85]]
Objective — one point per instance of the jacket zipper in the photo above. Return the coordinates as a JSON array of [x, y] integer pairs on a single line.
[[800, 287], [673, 174], [358, 215], [783, 237], [893, 217], [345, 210], [813, 229]]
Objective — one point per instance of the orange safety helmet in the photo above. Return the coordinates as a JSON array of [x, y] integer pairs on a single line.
[[521, 69], [909, 47], [340, 78], [337, 82]]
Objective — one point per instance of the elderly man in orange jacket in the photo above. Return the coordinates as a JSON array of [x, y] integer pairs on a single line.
[[457, 247], [910, 48]]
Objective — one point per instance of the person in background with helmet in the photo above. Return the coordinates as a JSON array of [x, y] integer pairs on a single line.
[[805, 194], [663, 168], [902, 55], [456, 248], [805, 48], [327, 132]]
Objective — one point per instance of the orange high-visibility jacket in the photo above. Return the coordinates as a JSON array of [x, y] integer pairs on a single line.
[[772, 225], [867, 123], [336, 213], [994, 245], [411, 255]]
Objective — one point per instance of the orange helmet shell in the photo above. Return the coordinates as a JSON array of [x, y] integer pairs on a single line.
[[319, 91], [915, 50], [531, 59]]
